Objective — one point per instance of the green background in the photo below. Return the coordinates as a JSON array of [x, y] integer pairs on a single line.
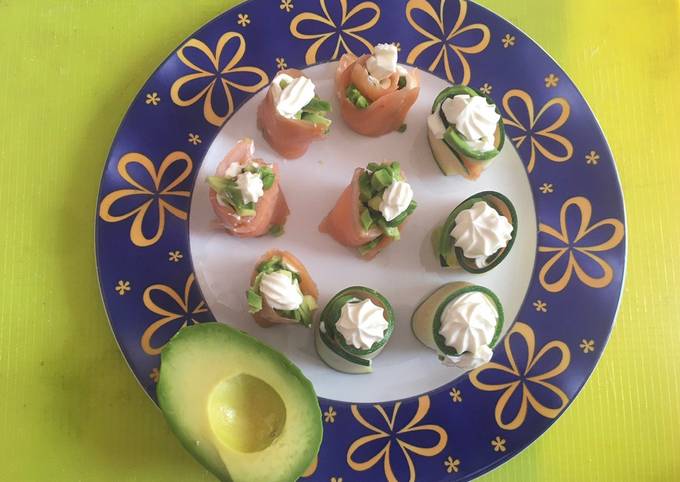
[[69, 407]]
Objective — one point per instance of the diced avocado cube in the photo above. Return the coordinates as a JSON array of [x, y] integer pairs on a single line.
[[381, 179], [246, 213], [254, 301], [402, 82], [362, 102], [283, 84], [365, 191], [373, 166], [310, 302], [374, 203], [366, 219], [365, 248], [402, 128], [317, 105], [316, 119], [396, 171]]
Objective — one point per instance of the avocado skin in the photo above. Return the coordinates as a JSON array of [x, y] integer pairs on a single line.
[[233, 339]]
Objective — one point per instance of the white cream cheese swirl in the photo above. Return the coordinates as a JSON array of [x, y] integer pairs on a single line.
[[395, 199], [472, 116], [281, 290], [480, 231], [297, 94], [361, 323], [468, 324]]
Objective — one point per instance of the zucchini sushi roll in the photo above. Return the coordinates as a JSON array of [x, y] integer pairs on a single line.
[[353, 329], [461, 322], [465, 131], [478, 234]]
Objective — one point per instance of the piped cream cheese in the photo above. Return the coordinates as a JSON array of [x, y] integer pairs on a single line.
[[468, 324], [251, 186], [480, 231], [395, 199], [361, 323], [474, 118], [291, 99], [281, 290]]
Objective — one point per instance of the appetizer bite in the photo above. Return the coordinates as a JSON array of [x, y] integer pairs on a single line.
[[292, 116], [465, 131], [461, 322], [353, 329], [281, 291], [372, 210], [245, 194], [375, 92], [237, 404], [478, 234]]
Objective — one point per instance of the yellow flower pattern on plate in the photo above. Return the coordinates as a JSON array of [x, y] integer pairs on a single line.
[[535, 129], [346, 25], [159, 194], [155, 375], [181, 311], [551, 81], [508, 41], [286, 5], [498, 444], [592, 158], [329, 415], [388, 435], [520, 375], [152, 99], [175, 256], [122, 287], [587, 346], [243, 19], [195, 139], [220, 77], [445, 39], [456, 396], [572, 245], [452, 465], [541, 306], [547, 188]]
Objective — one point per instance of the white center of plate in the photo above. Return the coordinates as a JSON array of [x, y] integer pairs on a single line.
[[405, 272]]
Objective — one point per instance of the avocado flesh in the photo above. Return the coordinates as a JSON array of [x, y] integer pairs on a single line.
[[240, 407]]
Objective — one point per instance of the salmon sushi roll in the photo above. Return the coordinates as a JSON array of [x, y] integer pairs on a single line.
[[372, 210], [375, 93], [292, 116], [246, 195], [281, 291]]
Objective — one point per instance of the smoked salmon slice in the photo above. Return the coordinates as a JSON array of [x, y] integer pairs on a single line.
[[290, 138], [271, 209], [390, 105], [267, 316], [343, 223]]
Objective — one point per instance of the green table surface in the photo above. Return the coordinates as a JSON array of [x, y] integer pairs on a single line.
[[69, 407]]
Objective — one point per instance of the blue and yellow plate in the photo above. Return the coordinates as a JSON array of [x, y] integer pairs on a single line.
[[465, 425]]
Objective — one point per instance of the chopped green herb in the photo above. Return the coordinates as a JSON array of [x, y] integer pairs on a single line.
[[283, 84], [254, 301], [362, 102], [402, 82], [276, 230], [272, 264], [402, 128], [366, 219]]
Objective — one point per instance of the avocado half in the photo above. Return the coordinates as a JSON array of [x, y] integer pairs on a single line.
[[238, 406]]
